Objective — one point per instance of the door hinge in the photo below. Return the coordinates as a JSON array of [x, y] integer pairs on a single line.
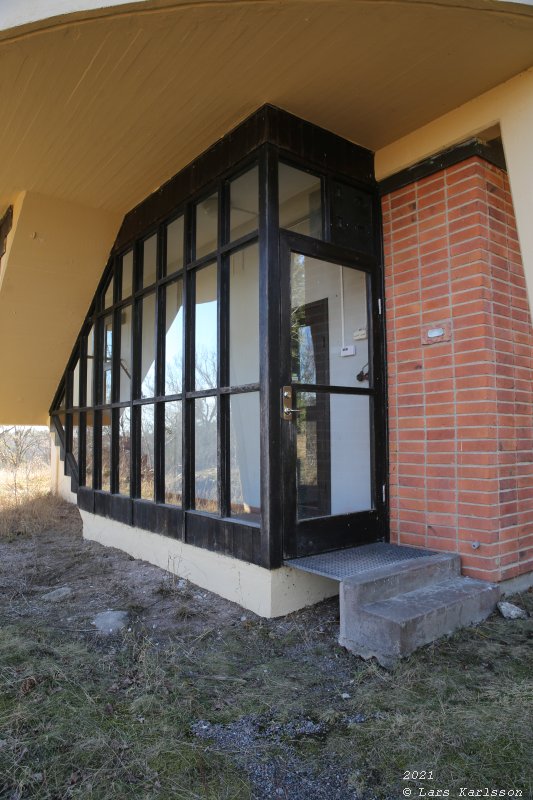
[[287, 396], [384, 493], [379, 306]]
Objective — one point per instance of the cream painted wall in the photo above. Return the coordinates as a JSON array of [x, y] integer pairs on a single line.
[[59, 482], [268, 593], [511, 106], [56, 253]]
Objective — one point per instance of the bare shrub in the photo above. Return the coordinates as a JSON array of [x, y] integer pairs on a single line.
[[26, 504], [24, 462]]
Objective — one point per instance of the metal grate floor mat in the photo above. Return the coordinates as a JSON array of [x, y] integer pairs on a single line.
[[340, 564]]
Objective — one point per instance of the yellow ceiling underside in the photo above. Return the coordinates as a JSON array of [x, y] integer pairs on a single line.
[[101, 111], [98, 110]]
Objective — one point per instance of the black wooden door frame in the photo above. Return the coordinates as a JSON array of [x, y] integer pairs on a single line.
[[346, 530]]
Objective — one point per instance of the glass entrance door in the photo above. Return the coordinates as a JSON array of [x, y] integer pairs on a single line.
[[330, 405]]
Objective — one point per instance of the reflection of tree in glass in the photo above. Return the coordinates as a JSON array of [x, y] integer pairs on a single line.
[[106, 457], [147, 452], [173, 453], [206, 468], [173, 373], [148, 384], [124, 450], [206, 369]]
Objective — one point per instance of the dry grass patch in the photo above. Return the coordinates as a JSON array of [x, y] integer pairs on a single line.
[[36, 513]]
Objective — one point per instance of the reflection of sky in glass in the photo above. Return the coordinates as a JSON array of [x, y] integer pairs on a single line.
[[148, 347], [206, 345], [307, 368], [174, 340]]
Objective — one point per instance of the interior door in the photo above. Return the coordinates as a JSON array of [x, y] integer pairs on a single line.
[[331, 401]]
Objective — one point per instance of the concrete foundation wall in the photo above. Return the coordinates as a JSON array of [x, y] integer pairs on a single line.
[[266, 593]]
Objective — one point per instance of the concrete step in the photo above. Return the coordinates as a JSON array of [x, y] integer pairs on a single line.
[[389, 580], [393, 627]]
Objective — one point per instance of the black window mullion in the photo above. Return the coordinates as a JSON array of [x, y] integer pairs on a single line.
[[135, 422], [83, 371], [270, 370], [224, 479], [189, 296]]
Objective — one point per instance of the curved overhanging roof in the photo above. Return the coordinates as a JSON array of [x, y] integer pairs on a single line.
[[101, 104]]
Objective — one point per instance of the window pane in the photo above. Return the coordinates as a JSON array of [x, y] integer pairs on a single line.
[[76, 437], [89, 448], [333, 462], [205, 455], [174, 338], [300, 202], [244, 204], [173, 453], [148, 347], [125, 354], [76, 385], [90, 366], [124, 450], [106, 451], [127, 274], [352, 217], [244, 317], [108, 298], [175, 238], [147, 452], [206, 348], [245, 462], [329, 324], [107, 359], [150, 260], [206, 226]]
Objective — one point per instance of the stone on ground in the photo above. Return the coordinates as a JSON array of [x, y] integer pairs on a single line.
[[57, 595], [110, 621], [510, 611]]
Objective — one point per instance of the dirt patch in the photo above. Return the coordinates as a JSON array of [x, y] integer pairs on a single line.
[[197, 698]]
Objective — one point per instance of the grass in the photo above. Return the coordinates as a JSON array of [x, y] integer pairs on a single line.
[[82, 716], [78, 719], [31, 508], [77, 722]]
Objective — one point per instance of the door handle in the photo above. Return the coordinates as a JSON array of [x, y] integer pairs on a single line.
[[286, 403]]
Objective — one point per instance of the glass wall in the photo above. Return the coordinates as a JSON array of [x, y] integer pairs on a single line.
[[169, 373], [221, 289]]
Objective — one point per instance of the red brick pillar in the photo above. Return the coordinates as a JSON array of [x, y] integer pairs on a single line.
[[460, 407]]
